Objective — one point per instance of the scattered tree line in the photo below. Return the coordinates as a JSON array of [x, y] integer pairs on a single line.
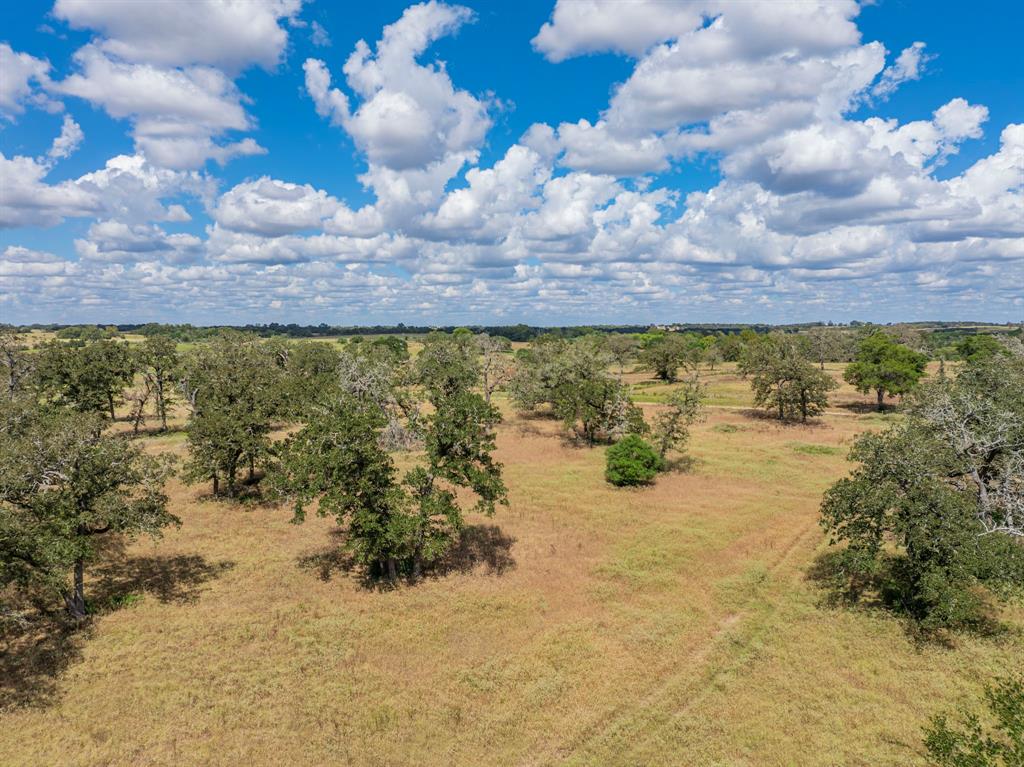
[[934, 504]]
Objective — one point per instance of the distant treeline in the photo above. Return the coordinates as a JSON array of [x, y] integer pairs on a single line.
[[943, 333]]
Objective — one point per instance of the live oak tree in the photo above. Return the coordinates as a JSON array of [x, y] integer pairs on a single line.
[[885, 367], [459, 439], [310, 368], [573, 380], [495, 363], [158, 361], [399, 525], [88, 378], [337, 459], [623, 349], [666, 354], [232, 385], [973, 348], [938, 499], [64, 485], [683, 408], [826, 345], [713, 355], [448, 363], [783, 380]]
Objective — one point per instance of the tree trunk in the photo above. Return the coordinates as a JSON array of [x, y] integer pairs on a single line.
[[822, 364], [417, 565], [881, 400], [216, 484], [392, 569], [110, 404], [75, 600], [252, 468], [161, 405]]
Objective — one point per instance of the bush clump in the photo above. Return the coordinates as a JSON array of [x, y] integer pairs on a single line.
[[632, 461]]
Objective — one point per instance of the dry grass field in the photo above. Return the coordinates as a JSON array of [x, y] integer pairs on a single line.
[[679, 624]]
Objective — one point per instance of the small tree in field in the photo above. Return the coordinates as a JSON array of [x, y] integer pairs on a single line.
[[573, 379], [783, 380], [623, 349], [632, 461], [88, 378], [665, 355], [683, 408], [495, 364], [158, 361], [63, 486], [885, 367], [399, 525], [232, 385]]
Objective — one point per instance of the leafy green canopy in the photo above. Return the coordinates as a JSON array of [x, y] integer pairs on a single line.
[[88, 378], [572, 379], [885, 367], [936, 504], [63, 484], [632, 461], [975, 745], [232, 384], [782, 378], [398, 524]]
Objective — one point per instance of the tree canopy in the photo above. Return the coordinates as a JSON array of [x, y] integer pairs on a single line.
[[884, 366], [63, 484], [944, 489]]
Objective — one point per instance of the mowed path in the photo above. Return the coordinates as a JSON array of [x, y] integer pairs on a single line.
[[583, 625]]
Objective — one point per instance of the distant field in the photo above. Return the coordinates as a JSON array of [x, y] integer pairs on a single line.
[[583, 625]]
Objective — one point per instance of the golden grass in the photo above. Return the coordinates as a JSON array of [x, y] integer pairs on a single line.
[[583, 625]]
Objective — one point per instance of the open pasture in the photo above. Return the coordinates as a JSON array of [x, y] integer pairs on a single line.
[[584, 624]]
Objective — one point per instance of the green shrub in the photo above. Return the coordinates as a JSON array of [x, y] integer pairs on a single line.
[[632, 461], [974, 744]]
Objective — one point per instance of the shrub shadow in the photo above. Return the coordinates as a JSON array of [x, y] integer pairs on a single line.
[[683, 464]]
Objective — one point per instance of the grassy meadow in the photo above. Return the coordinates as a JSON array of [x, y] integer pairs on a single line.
[[679, 624]]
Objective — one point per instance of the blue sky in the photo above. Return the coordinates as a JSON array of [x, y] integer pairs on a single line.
[[585, 162]]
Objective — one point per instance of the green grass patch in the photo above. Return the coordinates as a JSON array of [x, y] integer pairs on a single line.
[[808, 448]]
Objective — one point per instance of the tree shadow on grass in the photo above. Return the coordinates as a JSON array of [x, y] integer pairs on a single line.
[[484, 548], [885, 592], [772, 417], [331, 560], [481, 547], [869, 408], [38, 645], [170, 579], [34, 652]]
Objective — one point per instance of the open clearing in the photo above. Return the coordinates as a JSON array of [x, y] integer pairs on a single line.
[[583, 625]]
